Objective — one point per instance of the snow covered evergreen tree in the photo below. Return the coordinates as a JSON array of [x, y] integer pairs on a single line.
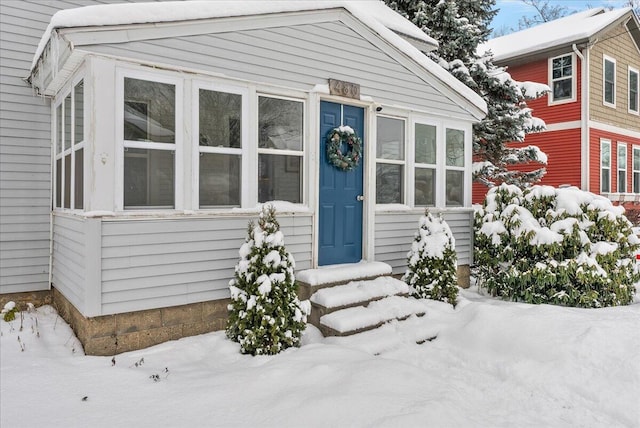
[[432, 262], [265, 315], [460, 26]]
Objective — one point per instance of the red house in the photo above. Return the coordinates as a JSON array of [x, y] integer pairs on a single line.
[[591, 62]]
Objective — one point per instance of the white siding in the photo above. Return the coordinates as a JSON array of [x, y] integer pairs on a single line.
[[25, 147], [299, 57], [69, 261], [394, 235], [156, 263]]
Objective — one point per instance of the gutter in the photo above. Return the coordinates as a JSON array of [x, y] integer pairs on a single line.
[[584, 117]]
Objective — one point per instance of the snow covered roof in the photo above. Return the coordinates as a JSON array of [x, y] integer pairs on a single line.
[[388, 24], [571, 29]]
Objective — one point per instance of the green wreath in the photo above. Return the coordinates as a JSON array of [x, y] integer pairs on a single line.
[[344, 161]]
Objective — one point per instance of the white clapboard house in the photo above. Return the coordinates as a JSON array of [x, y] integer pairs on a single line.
[[138, 140]]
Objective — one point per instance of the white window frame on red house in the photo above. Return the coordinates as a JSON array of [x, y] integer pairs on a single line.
[[609, 103], [572, 76], [605, 167], [634, 90], [621, 157], [636, 169]]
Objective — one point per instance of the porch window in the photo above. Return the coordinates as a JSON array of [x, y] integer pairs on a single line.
[[280, 149], [609, 73], [636, 169], [69, 150], [622, 168], [605, 166], [390, 160], [149, 144], [425, 164], [220, 147], [454, 164], [562, 78], [634, 90]]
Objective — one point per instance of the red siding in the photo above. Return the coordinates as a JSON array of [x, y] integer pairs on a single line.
[[594, 168], [538, 72]]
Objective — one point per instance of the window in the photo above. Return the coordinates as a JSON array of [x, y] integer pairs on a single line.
[[636, 169], [634, 90], [562, 79], [220, 143], [149, 124], [390, 160], [454, 165], [69, 150], [622, 168], [605, 166], [280, 149], [609, 81], [425, 164]]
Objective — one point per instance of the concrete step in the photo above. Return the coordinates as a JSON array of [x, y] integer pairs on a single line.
[[358, 319], [354, 293]]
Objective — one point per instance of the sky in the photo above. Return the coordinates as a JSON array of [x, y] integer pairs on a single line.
[[511, 10]]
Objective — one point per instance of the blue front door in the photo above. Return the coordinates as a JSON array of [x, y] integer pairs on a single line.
[[340, 215]]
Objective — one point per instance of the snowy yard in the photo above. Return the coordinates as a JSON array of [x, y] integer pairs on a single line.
[[493, 364]]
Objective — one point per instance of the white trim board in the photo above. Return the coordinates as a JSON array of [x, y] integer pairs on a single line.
[[614, 129]]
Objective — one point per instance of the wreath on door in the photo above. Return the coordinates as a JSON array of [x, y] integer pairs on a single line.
[[335, 139]]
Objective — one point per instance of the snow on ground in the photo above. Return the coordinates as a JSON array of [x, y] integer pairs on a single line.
[[493, 364]]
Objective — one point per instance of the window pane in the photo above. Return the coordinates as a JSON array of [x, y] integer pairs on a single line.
[[280, 178], [219, 180], [79, 112], [636, 159], [79, 180], [389, 186], [636, 182], [455, 188], [609, 71], [220, 119], [148, 178], [67, 181], [455, 147], [280, 124], [605, 182], [390, 138], [605, 151], [67, 122], [562, 89], [425, 185], [58, 201], [425, 144], [59, 122], [609, 92], [633, 91], [622, 181], [149, 111], [622, 157]]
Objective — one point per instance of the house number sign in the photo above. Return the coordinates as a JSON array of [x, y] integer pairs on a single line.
[[344, 89]]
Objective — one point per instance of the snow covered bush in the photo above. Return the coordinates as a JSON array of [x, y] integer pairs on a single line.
[[560, 246], [432, 262], [265, 315]]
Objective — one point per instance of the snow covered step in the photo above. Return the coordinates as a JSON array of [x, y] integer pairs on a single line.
[[360, 318], [311, 280], [389, 337]]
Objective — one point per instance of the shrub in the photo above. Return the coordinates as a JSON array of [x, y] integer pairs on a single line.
[[560, 246], [431, 262], [265, 315]]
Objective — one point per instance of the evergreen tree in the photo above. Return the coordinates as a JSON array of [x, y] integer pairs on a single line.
[[431, 262], [265, 315], [460, 26]]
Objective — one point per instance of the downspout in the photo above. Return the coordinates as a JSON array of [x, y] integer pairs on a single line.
[[584, 117]]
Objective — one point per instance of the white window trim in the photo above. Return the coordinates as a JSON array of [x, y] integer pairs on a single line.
[[243, 151], [406, 194], [301, 153], [629, 71], [606, 58], [177, 147], [605, 142], [465, 167], [415, 165], [68, 91], [621, 167], [635, 153], [574, 78]]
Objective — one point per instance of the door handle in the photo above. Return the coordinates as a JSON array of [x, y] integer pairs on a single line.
[[360, 198]]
